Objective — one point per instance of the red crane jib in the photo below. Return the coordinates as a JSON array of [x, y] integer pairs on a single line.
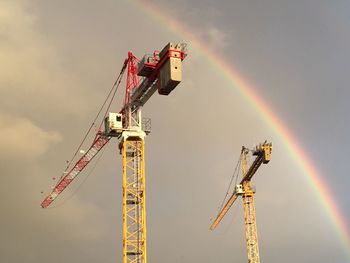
[[97, 145]]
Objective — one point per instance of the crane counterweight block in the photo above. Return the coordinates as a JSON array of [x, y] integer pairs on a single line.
[[264, 150], [170, 74]]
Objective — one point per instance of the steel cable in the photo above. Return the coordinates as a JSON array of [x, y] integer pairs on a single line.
[[114, 88], [235, 174]]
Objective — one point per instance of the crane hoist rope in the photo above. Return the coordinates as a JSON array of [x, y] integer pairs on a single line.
[[234, 175], [112, 90]]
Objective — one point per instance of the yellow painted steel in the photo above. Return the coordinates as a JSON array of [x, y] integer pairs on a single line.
[[223, 211], [262, 153], [134, 201], [249, 214]]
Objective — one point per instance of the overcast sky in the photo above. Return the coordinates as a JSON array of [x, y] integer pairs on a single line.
[[58, 62]]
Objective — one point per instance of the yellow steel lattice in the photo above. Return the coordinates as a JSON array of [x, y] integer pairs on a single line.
[[134, 205], [249, 215]]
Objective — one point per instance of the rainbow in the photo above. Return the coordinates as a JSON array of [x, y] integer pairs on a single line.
[[290, 142]]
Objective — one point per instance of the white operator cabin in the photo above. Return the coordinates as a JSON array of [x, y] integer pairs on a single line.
[[113, 124]]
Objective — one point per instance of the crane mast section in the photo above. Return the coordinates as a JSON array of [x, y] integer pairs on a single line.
[[249, 211], [134, 201], [250, 223], [99, 142]]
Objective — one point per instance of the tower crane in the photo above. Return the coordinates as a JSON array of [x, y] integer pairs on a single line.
[[245, 189], [160, 71]]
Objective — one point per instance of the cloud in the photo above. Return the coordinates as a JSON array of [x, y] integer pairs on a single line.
[[214, 37], [50, 53], [36, 93], [21, 138], [33, 79], [22, 49]]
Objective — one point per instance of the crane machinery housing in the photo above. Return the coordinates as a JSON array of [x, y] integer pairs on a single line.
[[245, 189], [160, 71]]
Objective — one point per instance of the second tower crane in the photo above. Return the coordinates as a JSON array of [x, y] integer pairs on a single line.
[[245, 189]]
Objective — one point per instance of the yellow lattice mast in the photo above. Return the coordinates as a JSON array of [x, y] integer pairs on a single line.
[[245, 189], [134, 200], [249, 213]]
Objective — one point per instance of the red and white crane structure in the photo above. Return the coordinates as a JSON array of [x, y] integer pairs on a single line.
[[160, 71]]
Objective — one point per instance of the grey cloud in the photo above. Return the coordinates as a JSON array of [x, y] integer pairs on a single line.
[[20, 138]]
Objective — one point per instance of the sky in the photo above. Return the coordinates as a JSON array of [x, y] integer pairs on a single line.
[[60, 58]]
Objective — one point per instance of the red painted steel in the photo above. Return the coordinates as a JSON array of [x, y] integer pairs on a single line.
[[132, 81], [97, 145]]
